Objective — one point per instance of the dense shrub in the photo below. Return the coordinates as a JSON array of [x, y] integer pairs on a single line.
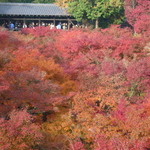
[[18, 132]]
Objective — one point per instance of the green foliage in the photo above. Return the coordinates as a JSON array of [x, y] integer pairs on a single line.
[[97, 10]]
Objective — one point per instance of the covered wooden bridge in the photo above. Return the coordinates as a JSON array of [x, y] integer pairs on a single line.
[[34, 14]]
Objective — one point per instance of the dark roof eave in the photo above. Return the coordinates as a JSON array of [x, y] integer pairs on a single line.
[[33, 15]]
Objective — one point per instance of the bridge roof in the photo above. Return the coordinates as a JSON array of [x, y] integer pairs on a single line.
[[32, 9]]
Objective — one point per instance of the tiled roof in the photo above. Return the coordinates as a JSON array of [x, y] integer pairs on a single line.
[[31, 9]]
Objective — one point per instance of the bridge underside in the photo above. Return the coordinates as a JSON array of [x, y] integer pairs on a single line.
[[37, 20]]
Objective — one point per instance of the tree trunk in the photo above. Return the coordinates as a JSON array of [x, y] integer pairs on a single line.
[[134, 4], [96, 23]]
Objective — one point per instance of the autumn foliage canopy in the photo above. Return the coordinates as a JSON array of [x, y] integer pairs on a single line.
[[79, 89]]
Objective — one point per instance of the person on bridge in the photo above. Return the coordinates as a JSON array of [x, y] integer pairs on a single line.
[[11, 26]]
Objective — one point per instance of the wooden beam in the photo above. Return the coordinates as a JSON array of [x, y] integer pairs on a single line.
[[38, 19]]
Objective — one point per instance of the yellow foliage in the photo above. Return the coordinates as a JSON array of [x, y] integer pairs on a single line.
[[63, 3], [26, 61]]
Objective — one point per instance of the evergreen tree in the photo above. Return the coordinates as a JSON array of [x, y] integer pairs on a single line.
[[97, 10]]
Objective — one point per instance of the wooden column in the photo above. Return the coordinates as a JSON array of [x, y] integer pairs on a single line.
[[68, 24], [54, 22], [24, 20], [39, 22]]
